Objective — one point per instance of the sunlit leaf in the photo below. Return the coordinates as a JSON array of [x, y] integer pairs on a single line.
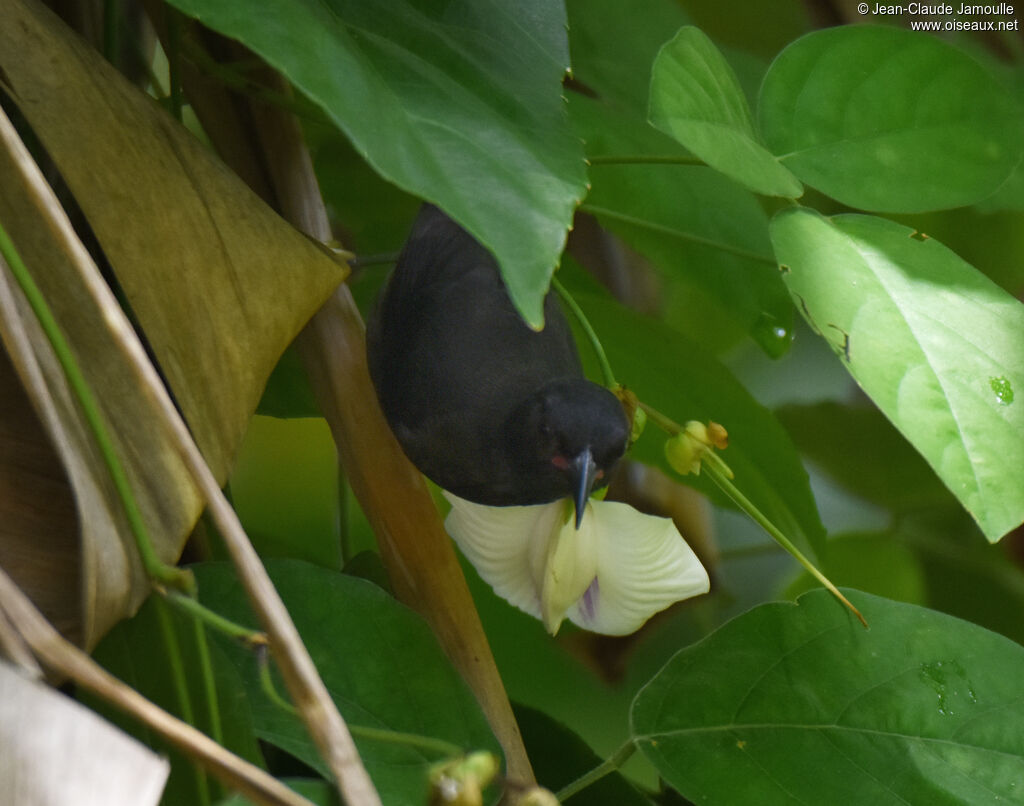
[[889, 120], [793, 704], [696, 98], [935, 343]]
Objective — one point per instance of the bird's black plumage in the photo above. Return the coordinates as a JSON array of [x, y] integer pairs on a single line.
[[483, 405]]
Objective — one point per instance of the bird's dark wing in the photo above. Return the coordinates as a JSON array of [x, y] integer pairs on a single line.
[[450, 356]]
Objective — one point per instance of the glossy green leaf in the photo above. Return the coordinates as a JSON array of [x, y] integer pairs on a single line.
[[698, 226], [936, 344], [889, 120], [798, 704], [696, 98], [380, 662], [459, 103], [684, 382]]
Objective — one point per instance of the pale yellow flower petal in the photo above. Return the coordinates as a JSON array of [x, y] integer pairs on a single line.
[[643, 566]]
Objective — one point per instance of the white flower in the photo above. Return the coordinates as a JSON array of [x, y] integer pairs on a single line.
[[620, 568]]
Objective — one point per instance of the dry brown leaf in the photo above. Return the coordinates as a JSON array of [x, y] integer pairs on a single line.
[[217, 281]]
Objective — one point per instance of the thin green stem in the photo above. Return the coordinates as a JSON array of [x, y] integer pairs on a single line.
[[747, 506], [606, 767], [231, 76], [670, 426], [201, 613], [643, 159], [595, 342], [615, 215], [267, 682], [720, 473], [209, 684], [179, 683], [155, 568], [380, 259], [428, 743]]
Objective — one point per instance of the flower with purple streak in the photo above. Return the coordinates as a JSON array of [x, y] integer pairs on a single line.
[[610, 576]]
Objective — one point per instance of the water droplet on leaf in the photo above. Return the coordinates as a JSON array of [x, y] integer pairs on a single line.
[[1003, 390], [772, 334]]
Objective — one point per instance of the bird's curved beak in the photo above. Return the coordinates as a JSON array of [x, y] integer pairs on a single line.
[[582, 475]]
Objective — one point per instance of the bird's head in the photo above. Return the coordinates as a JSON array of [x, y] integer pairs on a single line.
[[570, 434]]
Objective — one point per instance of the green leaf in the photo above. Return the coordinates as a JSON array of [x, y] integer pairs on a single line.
[[559, 757], [878, 563], [699, 227], [613, 45], [459, 103], [684, 382], [859, 448], [320, 792], [797, 704], [380, 662], [936, 344], [889, 120], [139, 652], [696, 98]]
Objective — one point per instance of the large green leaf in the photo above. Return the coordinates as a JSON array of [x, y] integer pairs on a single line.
[[696, 98], [889, 120], [148, 652], [798, 704], [459, 103], [936, 344], [380, 662], [682, 381], [702, 228]]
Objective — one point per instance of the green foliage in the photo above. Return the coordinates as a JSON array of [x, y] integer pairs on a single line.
[[935, 343], [687, 212], [380, 662], [888, 120], [434, 99], [799, 704], [696, 97]]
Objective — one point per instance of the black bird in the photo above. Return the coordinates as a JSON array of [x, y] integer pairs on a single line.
[[486, 407]]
